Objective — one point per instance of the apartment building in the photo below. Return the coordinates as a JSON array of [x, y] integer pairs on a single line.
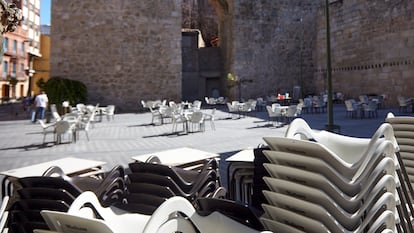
[[21, 47]]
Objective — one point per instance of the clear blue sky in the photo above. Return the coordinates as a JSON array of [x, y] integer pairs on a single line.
[[45, 7]]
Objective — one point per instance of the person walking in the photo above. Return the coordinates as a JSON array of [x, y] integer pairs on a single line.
[[41, 102]]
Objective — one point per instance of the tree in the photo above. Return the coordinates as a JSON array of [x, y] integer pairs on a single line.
[[10, 16], [60, 89], [41, 84]]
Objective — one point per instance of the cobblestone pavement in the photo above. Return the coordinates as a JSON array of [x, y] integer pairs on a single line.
[[130, 134]]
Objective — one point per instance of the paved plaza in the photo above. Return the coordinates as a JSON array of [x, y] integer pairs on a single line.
[[131, 134]]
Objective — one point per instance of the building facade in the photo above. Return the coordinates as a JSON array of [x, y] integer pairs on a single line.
[[41, 64], [131, 50], [20, 49]]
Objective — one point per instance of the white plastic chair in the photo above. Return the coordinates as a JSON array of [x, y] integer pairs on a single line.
[[210, 117], [62, 128], [109, 112], [274, 114], [47, 129], [197, 119]]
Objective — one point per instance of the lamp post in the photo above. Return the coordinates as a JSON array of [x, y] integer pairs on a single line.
[[330, 125], [240, 82], [301, 56]]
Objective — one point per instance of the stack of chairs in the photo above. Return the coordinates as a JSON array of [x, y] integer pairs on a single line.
[[240, 181], [158, 182], [37, 194], [403, 127], [324, 182], [31, 195]]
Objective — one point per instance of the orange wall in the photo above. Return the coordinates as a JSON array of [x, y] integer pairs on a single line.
[[42, 64]]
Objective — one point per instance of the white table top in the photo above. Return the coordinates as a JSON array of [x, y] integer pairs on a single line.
[[178, 156], [242, 156], [69, 166]]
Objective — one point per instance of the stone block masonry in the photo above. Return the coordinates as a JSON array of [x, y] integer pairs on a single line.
[[372, 48], [129, 50], [124, 51]]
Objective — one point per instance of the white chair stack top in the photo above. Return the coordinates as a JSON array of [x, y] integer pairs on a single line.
[[324, 182]]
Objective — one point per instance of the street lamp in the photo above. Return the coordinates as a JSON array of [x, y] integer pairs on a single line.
[[330, 126]]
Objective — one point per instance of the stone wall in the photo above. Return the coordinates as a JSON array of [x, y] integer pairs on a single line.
[[128, 50], [270, 42], [199, 14], [124, 50], [372, 48]]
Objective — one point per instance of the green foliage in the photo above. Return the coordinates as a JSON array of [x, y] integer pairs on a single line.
[[12, 80], [60, 89], [41, 84]]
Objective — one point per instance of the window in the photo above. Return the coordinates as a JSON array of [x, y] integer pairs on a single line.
[[14, 69], [5, 68], [22, 49], [6, 44], [15, 46], [22, 68]]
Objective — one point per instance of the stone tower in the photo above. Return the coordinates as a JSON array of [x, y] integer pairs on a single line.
[[123, 50]]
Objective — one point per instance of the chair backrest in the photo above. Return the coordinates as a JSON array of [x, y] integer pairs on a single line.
[[110, 109], [291, 111], [363, 99], [299, 108], [196, 105], [196, 117], [53, 108], [349, 106], [270, 111], [230, 107], [80, 107], [402, 101], [247, 107], [144, 104], [56, 116], [62, 127], [275, 105]]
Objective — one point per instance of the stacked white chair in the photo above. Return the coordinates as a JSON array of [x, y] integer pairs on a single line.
[[325, 182], [404, 132]]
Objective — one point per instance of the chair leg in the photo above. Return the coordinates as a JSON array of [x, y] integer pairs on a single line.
[[213, 127]]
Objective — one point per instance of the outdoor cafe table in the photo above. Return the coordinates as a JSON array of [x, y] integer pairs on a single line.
[[69, 165], [183, 157]]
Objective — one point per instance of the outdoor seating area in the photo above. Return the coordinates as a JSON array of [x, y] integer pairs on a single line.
[[68, 127], [187, 114], [364, 107], [246, 189], [336, 183]]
